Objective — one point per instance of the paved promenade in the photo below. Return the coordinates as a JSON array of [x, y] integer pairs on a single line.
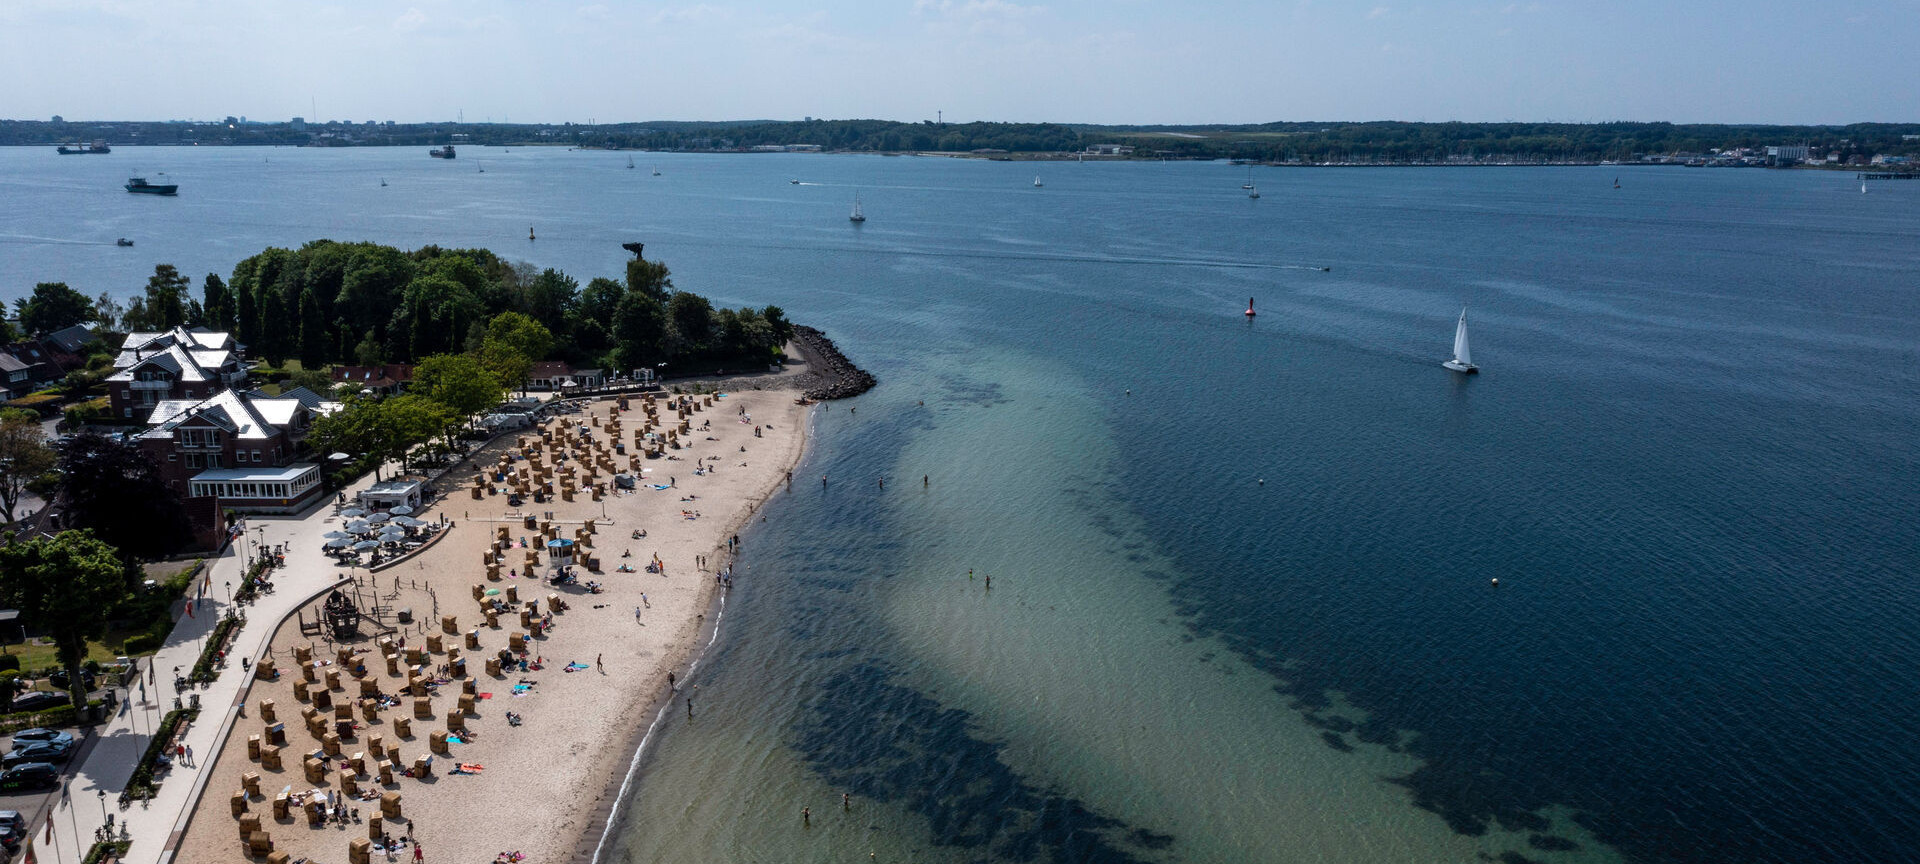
[[109, 760]]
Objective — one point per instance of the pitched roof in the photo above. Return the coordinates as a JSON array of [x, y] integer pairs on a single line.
[[549, 369], [247, 417], [71, 339], [198, 338]]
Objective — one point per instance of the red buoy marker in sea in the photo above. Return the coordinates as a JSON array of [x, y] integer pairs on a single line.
[[1249, 307]]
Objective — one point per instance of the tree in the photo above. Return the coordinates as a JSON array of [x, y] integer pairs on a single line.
[[692, 319], [24, 456], [459, 382], [54, 306], [521, 333], [313, 332], [433, 315], [66, 585], [107, 312], [218, 303], [512, 342], [639, 330], [411, 420], [113, 488], [167, 298], [551, 297], [650, 278]]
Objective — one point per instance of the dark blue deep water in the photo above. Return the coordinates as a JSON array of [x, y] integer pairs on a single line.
[[1243, 607]]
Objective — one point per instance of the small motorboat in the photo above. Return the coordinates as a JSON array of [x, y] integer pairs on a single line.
[[123, 242]]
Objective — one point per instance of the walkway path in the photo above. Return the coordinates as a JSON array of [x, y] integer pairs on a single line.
[[109, 763]]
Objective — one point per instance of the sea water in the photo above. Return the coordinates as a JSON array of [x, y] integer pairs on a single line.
[[1242, 604]]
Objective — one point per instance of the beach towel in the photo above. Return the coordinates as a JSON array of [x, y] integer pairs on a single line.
[[577, 666]]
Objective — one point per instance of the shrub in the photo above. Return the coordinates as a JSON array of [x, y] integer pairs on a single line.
[[145, 643], [9, 663], [141, 784]]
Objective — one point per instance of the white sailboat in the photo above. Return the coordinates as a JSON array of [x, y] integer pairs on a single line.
[[656, 170], [1462, 357], [1249, 183], [1863, 185], [857, 215], [1252, 192], [629, 162], [1036, 181]]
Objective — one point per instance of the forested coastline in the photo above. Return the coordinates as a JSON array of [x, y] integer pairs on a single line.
[[1305, 141], [360, 303]]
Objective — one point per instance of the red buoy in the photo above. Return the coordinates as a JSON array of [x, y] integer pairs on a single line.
[[1249, 307]]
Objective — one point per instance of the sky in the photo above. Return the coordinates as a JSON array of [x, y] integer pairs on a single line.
[[1114, 61]]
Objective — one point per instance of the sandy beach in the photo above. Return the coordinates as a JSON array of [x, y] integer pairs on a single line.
[[593, 679]]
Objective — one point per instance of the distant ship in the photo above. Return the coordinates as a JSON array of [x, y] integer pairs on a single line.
[[140, 186], [98, 146], [1462, 357], [441, 152], [857, 215]]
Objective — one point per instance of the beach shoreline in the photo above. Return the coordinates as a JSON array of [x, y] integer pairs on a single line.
[[581, 737]]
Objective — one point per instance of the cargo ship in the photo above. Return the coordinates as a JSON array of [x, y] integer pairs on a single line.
[[441, 152], [140, 186], [99, 146]]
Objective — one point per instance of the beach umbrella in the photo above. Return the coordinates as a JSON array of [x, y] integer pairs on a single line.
[[378, 518], [401, 510], [358, 526], [352, 512], [393, 534], [411, 522], [339, 543], [336, 535], [364, 545]]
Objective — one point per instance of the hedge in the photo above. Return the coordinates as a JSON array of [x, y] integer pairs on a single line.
[[204, 671], [100, 851], [141, 785]]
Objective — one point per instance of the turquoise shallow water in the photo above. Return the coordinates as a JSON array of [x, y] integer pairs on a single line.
[[1690, 461]]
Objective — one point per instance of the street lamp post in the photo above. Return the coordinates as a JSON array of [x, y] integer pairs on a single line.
[[103, 805], [229, 593]]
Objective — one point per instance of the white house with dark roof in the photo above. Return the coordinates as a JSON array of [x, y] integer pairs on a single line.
[[177, 364]]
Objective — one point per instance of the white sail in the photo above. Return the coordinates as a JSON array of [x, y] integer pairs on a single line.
[[1461, 354]]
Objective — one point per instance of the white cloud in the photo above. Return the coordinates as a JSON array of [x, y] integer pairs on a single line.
[[1378, 12], [410, 20]]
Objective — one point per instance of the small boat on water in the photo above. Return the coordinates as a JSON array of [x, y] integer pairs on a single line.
[[383, 181], [140, 186], [1249, 308], [656, 170], [99, 146], [795, 181], [1249, 183], [857, 215], [123, 242], [1863, 186], [1616, 182], [1036, 181], [1462, 357], [1252, 192], [629, 163], [442, 152]]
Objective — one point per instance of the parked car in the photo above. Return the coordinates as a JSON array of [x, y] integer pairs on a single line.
[[31, 775], [59, 679], [38, 751], [36, 700], [35, 735], [13, 829]]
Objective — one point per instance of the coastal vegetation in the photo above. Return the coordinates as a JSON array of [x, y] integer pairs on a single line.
[[1308, 141], [67, 584], [329, 302]]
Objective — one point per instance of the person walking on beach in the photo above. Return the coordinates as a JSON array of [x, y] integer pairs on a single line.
[[597, 658], [636, 614], [670, 682]]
